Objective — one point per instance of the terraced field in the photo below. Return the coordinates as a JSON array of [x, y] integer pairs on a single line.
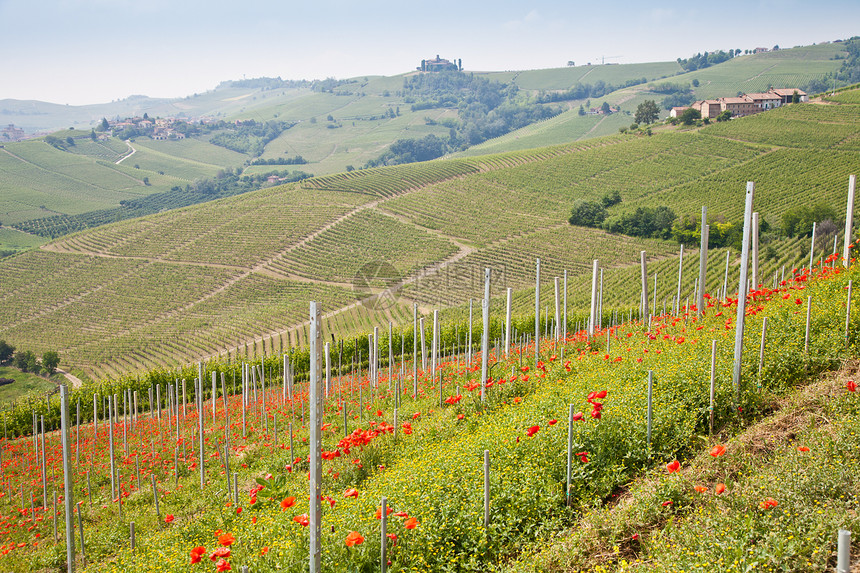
[[235, 275]]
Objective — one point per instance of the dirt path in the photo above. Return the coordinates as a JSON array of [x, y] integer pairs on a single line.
[[76, 382], [124, 157]]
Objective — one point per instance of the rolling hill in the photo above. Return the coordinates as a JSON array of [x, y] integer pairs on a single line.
[[334, 126], [236, 274]]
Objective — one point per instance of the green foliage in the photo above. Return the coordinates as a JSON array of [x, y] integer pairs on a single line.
[[25, 361], [50, 361], [700, 61], [797, 221], [250, 137], [6, 351], [647, 112], [587, 213], [688, 231], [611, 198], [585, 91], [645, 222], [411, 150], [690, 115]]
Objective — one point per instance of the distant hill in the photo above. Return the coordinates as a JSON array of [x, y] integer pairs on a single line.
[[236, 274], [340, 125]]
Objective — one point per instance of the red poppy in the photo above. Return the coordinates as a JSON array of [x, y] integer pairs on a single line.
[[532, 431], [220, 553], [851, 386], [226, 539], [673, 467], [197, 554], [768, 503], [578, 416], [553, 422], [288, 503], [720, 488], [407, 428], [351, 492], [401, 514], [354, 538], [264, 550], [701, 488], [169, 518], [718, 450], [302, 519], [392, 537], [222, 565], [378, 514], [583, 457], [666, 503], [410, 523]]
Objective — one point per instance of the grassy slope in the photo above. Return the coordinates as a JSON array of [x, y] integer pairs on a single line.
[[207, 278], [25, 383], [434, 472], [351, 139], [753, 73], [729, 532]]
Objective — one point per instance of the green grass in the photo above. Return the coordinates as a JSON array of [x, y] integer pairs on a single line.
[[813, 490], [564, 78], [26, 383], [15, 240]]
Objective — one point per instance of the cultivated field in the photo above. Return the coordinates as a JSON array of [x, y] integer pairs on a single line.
[[206, 279]]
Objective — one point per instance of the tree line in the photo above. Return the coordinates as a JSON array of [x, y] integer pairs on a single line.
[[661, 222], [26, 361]]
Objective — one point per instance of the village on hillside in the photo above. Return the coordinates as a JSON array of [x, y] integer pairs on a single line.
[[744, 104]]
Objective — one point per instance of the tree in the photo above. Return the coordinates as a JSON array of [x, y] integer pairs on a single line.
[[695, 83], [724, 116], [605, 108], [795, 97], [104, 125], [6, 351], [25, 361], [581, 110], [690, 116], [647, 112], [611, 198], [587, 213], [50, 361]]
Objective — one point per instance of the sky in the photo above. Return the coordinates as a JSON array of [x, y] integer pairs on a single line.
[[94, 51]]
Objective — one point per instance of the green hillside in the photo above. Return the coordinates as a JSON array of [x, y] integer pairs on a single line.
[[334, 126], [237, 273], [795, 67]]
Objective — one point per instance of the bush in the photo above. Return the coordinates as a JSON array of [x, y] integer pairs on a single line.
[[587, 213], [644, 222], [797, 221]]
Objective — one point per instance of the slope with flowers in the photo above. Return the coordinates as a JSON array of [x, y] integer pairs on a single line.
[[425, 458]]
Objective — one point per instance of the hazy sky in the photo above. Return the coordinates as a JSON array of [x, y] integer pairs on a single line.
[[90, 51]]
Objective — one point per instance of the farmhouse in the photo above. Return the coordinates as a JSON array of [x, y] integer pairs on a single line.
[[746, 104]]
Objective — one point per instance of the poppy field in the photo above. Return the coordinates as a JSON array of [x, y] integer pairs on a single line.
[[424, 453]]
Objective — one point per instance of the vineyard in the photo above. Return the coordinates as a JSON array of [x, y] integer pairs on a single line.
[[233, 275], [220, 472]]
